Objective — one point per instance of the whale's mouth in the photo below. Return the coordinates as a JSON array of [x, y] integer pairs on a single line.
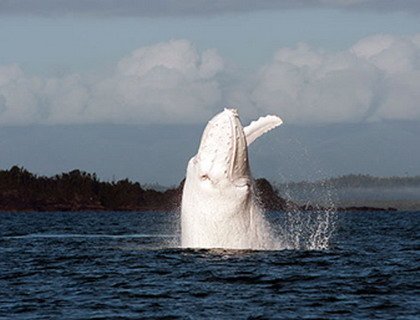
[[223, 150]]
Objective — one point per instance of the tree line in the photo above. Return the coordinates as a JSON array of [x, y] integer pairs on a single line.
[[78, 190]]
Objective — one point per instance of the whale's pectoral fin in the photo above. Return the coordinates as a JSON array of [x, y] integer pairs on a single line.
[[259, 127]]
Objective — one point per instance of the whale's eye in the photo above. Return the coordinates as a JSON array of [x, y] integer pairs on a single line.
[[204, 177], [243, 184]]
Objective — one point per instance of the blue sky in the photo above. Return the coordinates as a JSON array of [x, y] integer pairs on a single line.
[[57, 44], [104, 68]]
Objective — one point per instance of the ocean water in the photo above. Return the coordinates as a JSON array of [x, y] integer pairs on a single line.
[[119, 265]]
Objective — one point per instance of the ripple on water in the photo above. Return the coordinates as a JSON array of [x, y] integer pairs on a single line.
[[80, 266]]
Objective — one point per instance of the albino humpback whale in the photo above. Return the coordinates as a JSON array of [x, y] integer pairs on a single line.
[[219, 208]]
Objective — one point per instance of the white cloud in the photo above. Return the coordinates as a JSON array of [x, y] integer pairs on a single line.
[[378, 78], [165, 83], [19, 96]]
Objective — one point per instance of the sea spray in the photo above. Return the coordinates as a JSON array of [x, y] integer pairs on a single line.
[[306, 230], [312, 226]]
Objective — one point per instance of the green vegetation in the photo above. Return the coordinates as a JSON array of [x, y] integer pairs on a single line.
[[77, 190]]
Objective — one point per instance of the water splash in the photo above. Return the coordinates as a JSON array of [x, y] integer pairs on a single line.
[[313, 228], [307, 230]]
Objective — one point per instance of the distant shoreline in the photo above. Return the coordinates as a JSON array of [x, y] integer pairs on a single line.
[[358, 190], [23, 191]]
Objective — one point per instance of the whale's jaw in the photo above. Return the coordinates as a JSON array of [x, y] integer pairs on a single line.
[[223, 153]]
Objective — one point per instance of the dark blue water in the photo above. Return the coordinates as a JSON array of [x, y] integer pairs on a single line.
[[125, 266]]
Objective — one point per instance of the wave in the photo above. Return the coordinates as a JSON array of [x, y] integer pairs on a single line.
[[83, 236]]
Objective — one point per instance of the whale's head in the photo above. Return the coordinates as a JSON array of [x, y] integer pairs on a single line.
[[220, 169], [222, 157]]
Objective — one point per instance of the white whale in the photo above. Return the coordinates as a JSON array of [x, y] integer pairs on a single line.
[[219, 208]]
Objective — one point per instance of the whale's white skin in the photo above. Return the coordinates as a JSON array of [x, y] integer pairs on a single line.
[[219, 208]]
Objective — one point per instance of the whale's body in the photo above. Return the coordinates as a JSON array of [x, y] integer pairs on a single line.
[[219, 207]]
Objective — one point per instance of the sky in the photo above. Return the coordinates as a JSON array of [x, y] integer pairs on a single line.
[[124, 88]]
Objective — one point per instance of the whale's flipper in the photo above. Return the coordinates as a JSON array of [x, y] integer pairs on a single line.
[[259, 127]]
